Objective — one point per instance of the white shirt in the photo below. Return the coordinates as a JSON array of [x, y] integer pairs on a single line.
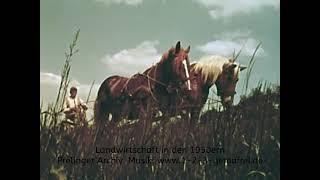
[[72, 103]]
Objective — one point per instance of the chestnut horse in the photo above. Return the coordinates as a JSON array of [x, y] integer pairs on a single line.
[[208, 71], [131, 98]]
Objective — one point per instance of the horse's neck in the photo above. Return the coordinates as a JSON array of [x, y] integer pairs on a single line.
[[198, 78], [159, 73], [201, 87]]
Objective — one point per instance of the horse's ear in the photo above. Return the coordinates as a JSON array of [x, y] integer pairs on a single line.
[[178, 46], [242, 67], [232, 60], [229, 66], [188, 50]]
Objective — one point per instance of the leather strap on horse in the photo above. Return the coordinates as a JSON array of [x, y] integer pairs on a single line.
[[155, 80], [126, 84], [150, 89], [159, 82]]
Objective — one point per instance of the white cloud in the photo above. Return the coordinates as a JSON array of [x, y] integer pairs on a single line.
[[52, 79], [49, 78], [226, 8], [228, 42], [126, 2], [130, 61]]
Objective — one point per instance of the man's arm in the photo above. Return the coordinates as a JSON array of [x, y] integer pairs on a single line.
[[83, 104], [66, 109]]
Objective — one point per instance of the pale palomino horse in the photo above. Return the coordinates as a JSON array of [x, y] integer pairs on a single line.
[[208, 71]]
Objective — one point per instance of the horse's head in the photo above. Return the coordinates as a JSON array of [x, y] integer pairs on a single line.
[[178, 66], [227, 81]]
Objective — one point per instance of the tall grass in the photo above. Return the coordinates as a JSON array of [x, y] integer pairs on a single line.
[[250, 129], [250, 67], [54, 111]]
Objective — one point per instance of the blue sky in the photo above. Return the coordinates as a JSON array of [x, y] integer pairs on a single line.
[[126, 36]]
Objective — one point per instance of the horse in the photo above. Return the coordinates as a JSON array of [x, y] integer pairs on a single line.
[[130, 98], [206, 72]]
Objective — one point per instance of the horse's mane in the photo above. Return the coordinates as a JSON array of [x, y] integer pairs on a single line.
[[210, 67], [163, 59], [164, 56]]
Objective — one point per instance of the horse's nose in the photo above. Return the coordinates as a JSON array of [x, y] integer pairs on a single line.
[[227, 101]]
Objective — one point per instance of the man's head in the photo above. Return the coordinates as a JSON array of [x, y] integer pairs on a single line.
[[73, 92]]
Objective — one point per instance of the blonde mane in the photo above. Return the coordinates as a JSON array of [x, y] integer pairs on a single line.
[[210, 67]]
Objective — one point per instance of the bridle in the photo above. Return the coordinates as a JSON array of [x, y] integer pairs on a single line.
[[222, 93], [169, 87]]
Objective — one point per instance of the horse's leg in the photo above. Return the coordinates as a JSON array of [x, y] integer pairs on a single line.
[[194, 116], [149, 110], [101, 114], [146, 120], [145, 111], [116, 117], [185, 115], [142, 122], [165, 117]]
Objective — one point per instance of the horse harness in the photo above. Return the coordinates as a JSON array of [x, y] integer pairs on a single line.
[[169, 87]]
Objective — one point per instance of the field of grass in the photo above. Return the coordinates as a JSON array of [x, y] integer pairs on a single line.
[[219, 147]]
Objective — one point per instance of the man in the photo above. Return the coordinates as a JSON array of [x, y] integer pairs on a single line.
[[73, 105]]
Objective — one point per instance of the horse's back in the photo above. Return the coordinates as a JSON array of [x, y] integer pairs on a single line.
[[112, 86]]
